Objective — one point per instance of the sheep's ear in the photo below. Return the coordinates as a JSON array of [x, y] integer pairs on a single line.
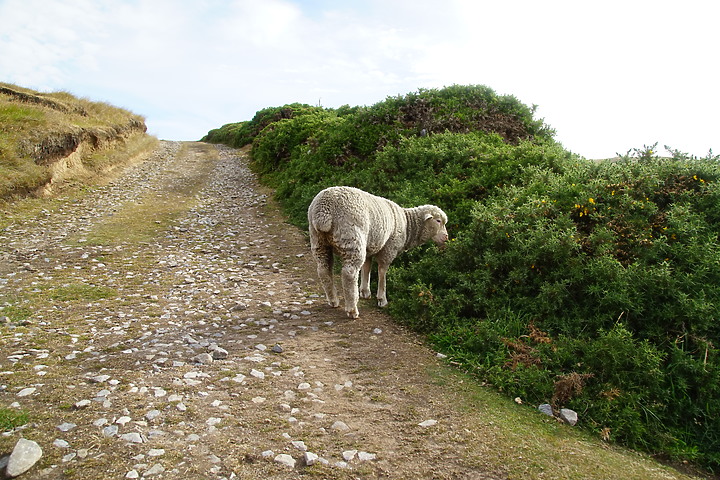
[[428, 216]]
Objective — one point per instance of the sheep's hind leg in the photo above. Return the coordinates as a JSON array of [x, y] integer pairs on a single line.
[[324, 258], [352, 262], [365, 279]]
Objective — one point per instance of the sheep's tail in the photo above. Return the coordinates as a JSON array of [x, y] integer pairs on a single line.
[[322, 221]]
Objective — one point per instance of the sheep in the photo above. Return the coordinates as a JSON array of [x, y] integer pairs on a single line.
[[360, 226]]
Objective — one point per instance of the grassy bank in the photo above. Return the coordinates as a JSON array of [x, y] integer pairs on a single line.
[[46, 137]]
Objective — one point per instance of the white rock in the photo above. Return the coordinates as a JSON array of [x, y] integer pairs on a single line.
[[132, 437], [285, 459], [339, 426], [156, 452], [123, 420], [66, 426], [366, 457], [132, 474], [26, 391], [203, 358], [154, 470], [82, 404], [257, 358], [268, 454], [546, 408], [348, 455], [310, 458], [219, 353], [152, 415], [568, 416], [304, 386], [61, 443], [428, 423], [25, 454], [257, 374], [300, 445]]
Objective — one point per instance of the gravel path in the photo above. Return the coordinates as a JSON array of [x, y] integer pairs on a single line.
[[169, 325]]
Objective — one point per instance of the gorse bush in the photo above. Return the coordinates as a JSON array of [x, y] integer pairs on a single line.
[[590, 285]]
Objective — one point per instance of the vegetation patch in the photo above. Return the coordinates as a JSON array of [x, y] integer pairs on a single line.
[[11, 418], [80, 292], [591, 285]]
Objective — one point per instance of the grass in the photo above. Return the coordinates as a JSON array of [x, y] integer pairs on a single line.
[[33, 124], [11, 418], [80, 292], [532, 445]]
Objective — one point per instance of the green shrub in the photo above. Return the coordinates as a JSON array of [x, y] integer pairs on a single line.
[[590, 285]]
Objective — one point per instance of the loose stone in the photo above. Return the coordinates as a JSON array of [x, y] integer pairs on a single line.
[[26, 392], [546, 408], [285, 459], [59, 443], [366, 457], [132, 437], [154, 470], [310, 458], [339, 426], [25, 454], [66, 427], [568, 416]]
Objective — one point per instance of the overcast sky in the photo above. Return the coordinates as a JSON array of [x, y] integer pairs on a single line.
[[606, 75]]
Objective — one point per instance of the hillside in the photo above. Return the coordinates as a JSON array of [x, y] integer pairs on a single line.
[[48, 138], [588, 285]]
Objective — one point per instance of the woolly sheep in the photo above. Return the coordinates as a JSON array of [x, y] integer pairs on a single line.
[[360, 226]]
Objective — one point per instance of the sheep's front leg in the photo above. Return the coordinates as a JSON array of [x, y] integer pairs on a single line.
[[365, 279], [381, 294]]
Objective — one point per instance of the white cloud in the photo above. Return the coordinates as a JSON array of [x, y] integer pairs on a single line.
[[608, 76]]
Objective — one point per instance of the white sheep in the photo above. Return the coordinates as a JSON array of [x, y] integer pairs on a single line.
[[360, 226]]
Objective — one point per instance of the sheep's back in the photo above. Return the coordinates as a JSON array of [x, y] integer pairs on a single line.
[[351, 215]]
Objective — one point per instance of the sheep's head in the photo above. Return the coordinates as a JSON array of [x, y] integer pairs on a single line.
[[435, 220]]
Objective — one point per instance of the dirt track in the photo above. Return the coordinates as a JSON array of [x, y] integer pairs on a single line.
[[111, 299]]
